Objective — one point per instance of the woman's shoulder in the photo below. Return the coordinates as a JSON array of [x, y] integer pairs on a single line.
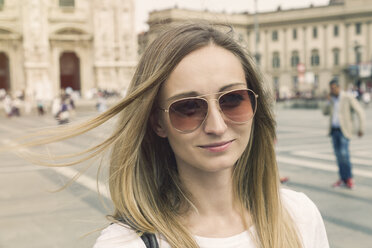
[[298, 204], [294, 198], [307, 218], [118, 236]]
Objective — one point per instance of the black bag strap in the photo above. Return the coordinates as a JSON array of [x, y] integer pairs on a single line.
[[150, 240]]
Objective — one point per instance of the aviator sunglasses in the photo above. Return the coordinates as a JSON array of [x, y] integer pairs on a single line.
[[187, 114]]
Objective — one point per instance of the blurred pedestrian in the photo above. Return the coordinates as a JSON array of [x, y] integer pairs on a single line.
[[8, 105], [284, 179], [63, 114], [340, 107], [40, 107], [101, 105], [69, 99], [16, 106], [56, 105]]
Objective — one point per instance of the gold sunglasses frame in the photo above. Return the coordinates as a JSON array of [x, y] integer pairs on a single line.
[[202, 97]]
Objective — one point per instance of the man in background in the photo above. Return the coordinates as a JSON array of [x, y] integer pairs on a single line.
[[341, 107]]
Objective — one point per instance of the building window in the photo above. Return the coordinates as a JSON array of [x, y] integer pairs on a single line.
[[276, 60], [335, 31], [295, 59], [1, 4], [315, 60], [358, 28], [315, 32], [275, 35], [336, 56], [67, 3], [294, 34]]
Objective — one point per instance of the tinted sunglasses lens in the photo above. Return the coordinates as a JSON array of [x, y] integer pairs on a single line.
[[187, 115], [238, 105]]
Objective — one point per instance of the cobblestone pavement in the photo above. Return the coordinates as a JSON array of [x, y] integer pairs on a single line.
[[33, 216]]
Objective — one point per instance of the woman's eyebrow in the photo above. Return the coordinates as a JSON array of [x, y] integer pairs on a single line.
[[231, 85], [194, 93], [182, 95]]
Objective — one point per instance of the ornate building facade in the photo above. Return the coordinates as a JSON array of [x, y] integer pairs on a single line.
[[48, 45], [298, 50]]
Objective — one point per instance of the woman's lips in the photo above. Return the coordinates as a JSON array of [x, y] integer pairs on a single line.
[[217, 147]]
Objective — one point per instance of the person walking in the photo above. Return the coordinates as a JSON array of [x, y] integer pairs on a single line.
[[40, 107], [63, 114], [8, 103], [341, 107]]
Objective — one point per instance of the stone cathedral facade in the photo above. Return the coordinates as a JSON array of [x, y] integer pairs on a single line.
[[49, 45]]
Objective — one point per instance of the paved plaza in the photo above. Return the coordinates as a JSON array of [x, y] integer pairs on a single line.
[[305, 155], [32, 215]]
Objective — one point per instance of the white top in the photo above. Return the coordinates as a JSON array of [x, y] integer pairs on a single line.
[[304, 212], [336, 112]]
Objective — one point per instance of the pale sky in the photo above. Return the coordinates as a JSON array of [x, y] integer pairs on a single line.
[[143, 7]]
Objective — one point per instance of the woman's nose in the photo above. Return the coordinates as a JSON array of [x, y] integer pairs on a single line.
[[214, 123]]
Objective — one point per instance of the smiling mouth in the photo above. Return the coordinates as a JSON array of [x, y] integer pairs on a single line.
[[217, 147]]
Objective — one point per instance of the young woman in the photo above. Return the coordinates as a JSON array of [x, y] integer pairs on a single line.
[[192, 158]]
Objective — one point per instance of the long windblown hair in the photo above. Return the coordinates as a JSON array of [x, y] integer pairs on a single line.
[[144, 183]]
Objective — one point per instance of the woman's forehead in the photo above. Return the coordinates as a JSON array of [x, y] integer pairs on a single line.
[[205, 70]]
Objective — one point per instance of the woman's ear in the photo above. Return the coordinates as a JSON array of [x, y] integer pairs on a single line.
[[157, 125]]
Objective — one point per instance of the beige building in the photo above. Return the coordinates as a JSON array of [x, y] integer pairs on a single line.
[[46, 45], [298, 50]]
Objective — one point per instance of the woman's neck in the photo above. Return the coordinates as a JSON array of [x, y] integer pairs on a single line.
[[211, 191], [216, 213]]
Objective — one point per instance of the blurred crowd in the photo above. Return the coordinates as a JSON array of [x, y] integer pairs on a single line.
[[363, 96], [61, 107]]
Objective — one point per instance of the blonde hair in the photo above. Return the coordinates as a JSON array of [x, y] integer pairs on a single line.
[[144, 184]]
